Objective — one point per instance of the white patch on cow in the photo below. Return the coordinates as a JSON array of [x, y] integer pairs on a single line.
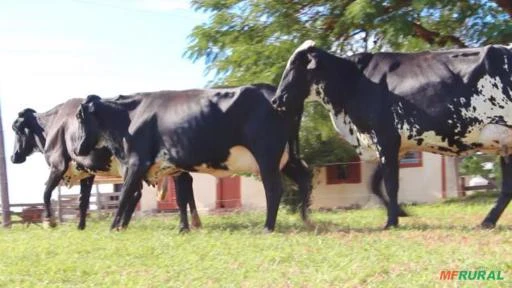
[[160, 168], [365, 147], [73, 175], [496, 137], [240, 160], [302, 47]]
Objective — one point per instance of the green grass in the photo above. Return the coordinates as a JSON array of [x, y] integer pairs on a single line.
[[346, 249]]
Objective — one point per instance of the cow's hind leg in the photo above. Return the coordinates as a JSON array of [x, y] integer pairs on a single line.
[[505, 195], [85, 194], [376, 188], [297, 171], [183, 184]]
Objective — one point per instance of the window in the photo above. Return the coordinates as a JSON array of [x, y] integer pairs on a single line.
[[344, 173], [411, 159]]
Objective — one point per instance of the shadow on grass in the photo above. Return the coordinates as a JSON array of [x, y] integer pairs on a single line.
[[476, 198], [319, 227]]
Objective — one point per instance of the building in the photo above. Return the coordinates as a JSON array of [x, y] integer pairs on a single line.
[[424, 178]]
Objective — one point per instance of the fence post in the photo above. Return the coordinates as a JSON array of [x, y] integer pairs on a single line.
[[59, 204], [4, 188]]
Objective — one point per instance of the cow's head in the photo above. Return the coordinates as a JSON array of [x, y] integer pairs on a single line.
[[311, 71], [28, 136], [88, 132], [297, 78]]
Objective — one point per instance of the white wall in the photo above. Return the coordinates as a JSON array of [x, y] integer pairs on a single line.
[[205, 191], [343, 195], [252, 194]]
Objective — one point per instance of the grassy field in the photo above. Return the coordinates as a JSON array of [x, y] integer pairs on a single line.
[[347, 248]]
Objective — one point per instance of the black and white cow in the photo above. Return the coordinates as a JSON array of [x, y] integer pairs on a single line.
[[452, 102], [53, 134], [215, 131]]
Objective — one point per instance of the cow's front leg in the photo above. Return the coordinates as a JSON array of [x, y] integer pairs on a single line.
[[505, 195], [297, 171], [273, 190], [132, 182], [56, 174], [196, 221], [85, 195]]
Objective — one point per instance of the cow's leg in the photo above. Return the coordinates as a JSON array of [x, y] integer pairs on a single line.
[[271, 178], [389, 159], [505, 195], [132, 204], [132, 182], [85, 194], [56, 174], [297, 171], [376, 188], [196, 221], [182, 199]]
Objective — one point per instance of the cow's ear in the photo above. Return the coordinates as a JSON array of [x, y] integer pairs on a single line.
[[312, 61], [26, 112]]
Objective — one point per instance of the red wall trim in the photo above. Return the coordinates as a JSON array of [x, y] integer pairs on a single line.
[[443, 176]]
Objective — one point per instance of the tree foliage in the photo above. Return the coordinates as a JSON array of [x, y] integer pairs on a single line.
[[247, 41]]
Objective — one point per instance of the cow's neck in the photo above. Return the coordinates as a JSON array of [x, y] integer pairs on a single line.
[[114, 122], [43, 120]]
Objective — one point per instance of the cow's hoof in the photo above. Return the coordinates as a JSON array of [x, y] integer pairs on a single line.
[[196, 221], [184, 230], [267, 230], [309, 224], [389, 226], [487, 225], [81, 227], [402, 213], [49, 223]]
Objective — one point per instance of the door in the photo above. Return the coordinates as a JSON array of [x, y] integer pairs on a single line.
[[228, 193], [169, 202]]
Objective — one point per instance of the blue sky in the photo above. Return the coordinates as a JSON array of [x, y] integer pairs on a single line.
[[54, 50]]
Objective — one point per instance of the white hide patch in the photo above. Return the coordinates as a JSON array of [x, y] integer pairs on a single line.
[[485, 106], [363, 143], [160, 168], [240, 160], [73, 175], [302, 47]]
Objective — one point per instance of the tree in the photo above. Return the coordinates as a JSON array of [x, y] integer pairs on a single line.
[[249, 41]]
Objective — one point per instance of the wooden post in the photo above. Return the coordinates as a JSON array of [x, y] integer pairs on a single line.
[[4, 187], [98, 199], [59, 204]]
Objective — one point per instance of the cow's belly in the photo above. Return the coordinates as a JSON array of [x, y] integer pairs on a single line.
[[490, 138], [73, 174], [240, 160]]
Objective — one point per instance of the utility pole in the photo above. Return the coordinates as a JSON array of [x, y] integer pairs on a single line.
[[4, 189]]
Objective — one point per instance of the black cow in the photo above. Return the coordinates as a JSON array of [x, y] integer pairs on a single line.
[[215, 131], [453, 102], [53, 134]]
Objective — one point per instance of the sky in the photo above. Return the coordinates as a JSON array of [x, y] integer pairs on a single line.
[[54, 50]]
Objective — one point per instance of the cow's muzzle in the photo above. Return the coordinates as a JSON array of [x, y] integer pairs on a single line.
[[18, 158]]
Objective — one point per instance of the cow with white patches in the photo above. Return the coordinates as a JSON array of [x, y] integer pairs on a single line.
[[215, 131], [53, 133], [453, 102]]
